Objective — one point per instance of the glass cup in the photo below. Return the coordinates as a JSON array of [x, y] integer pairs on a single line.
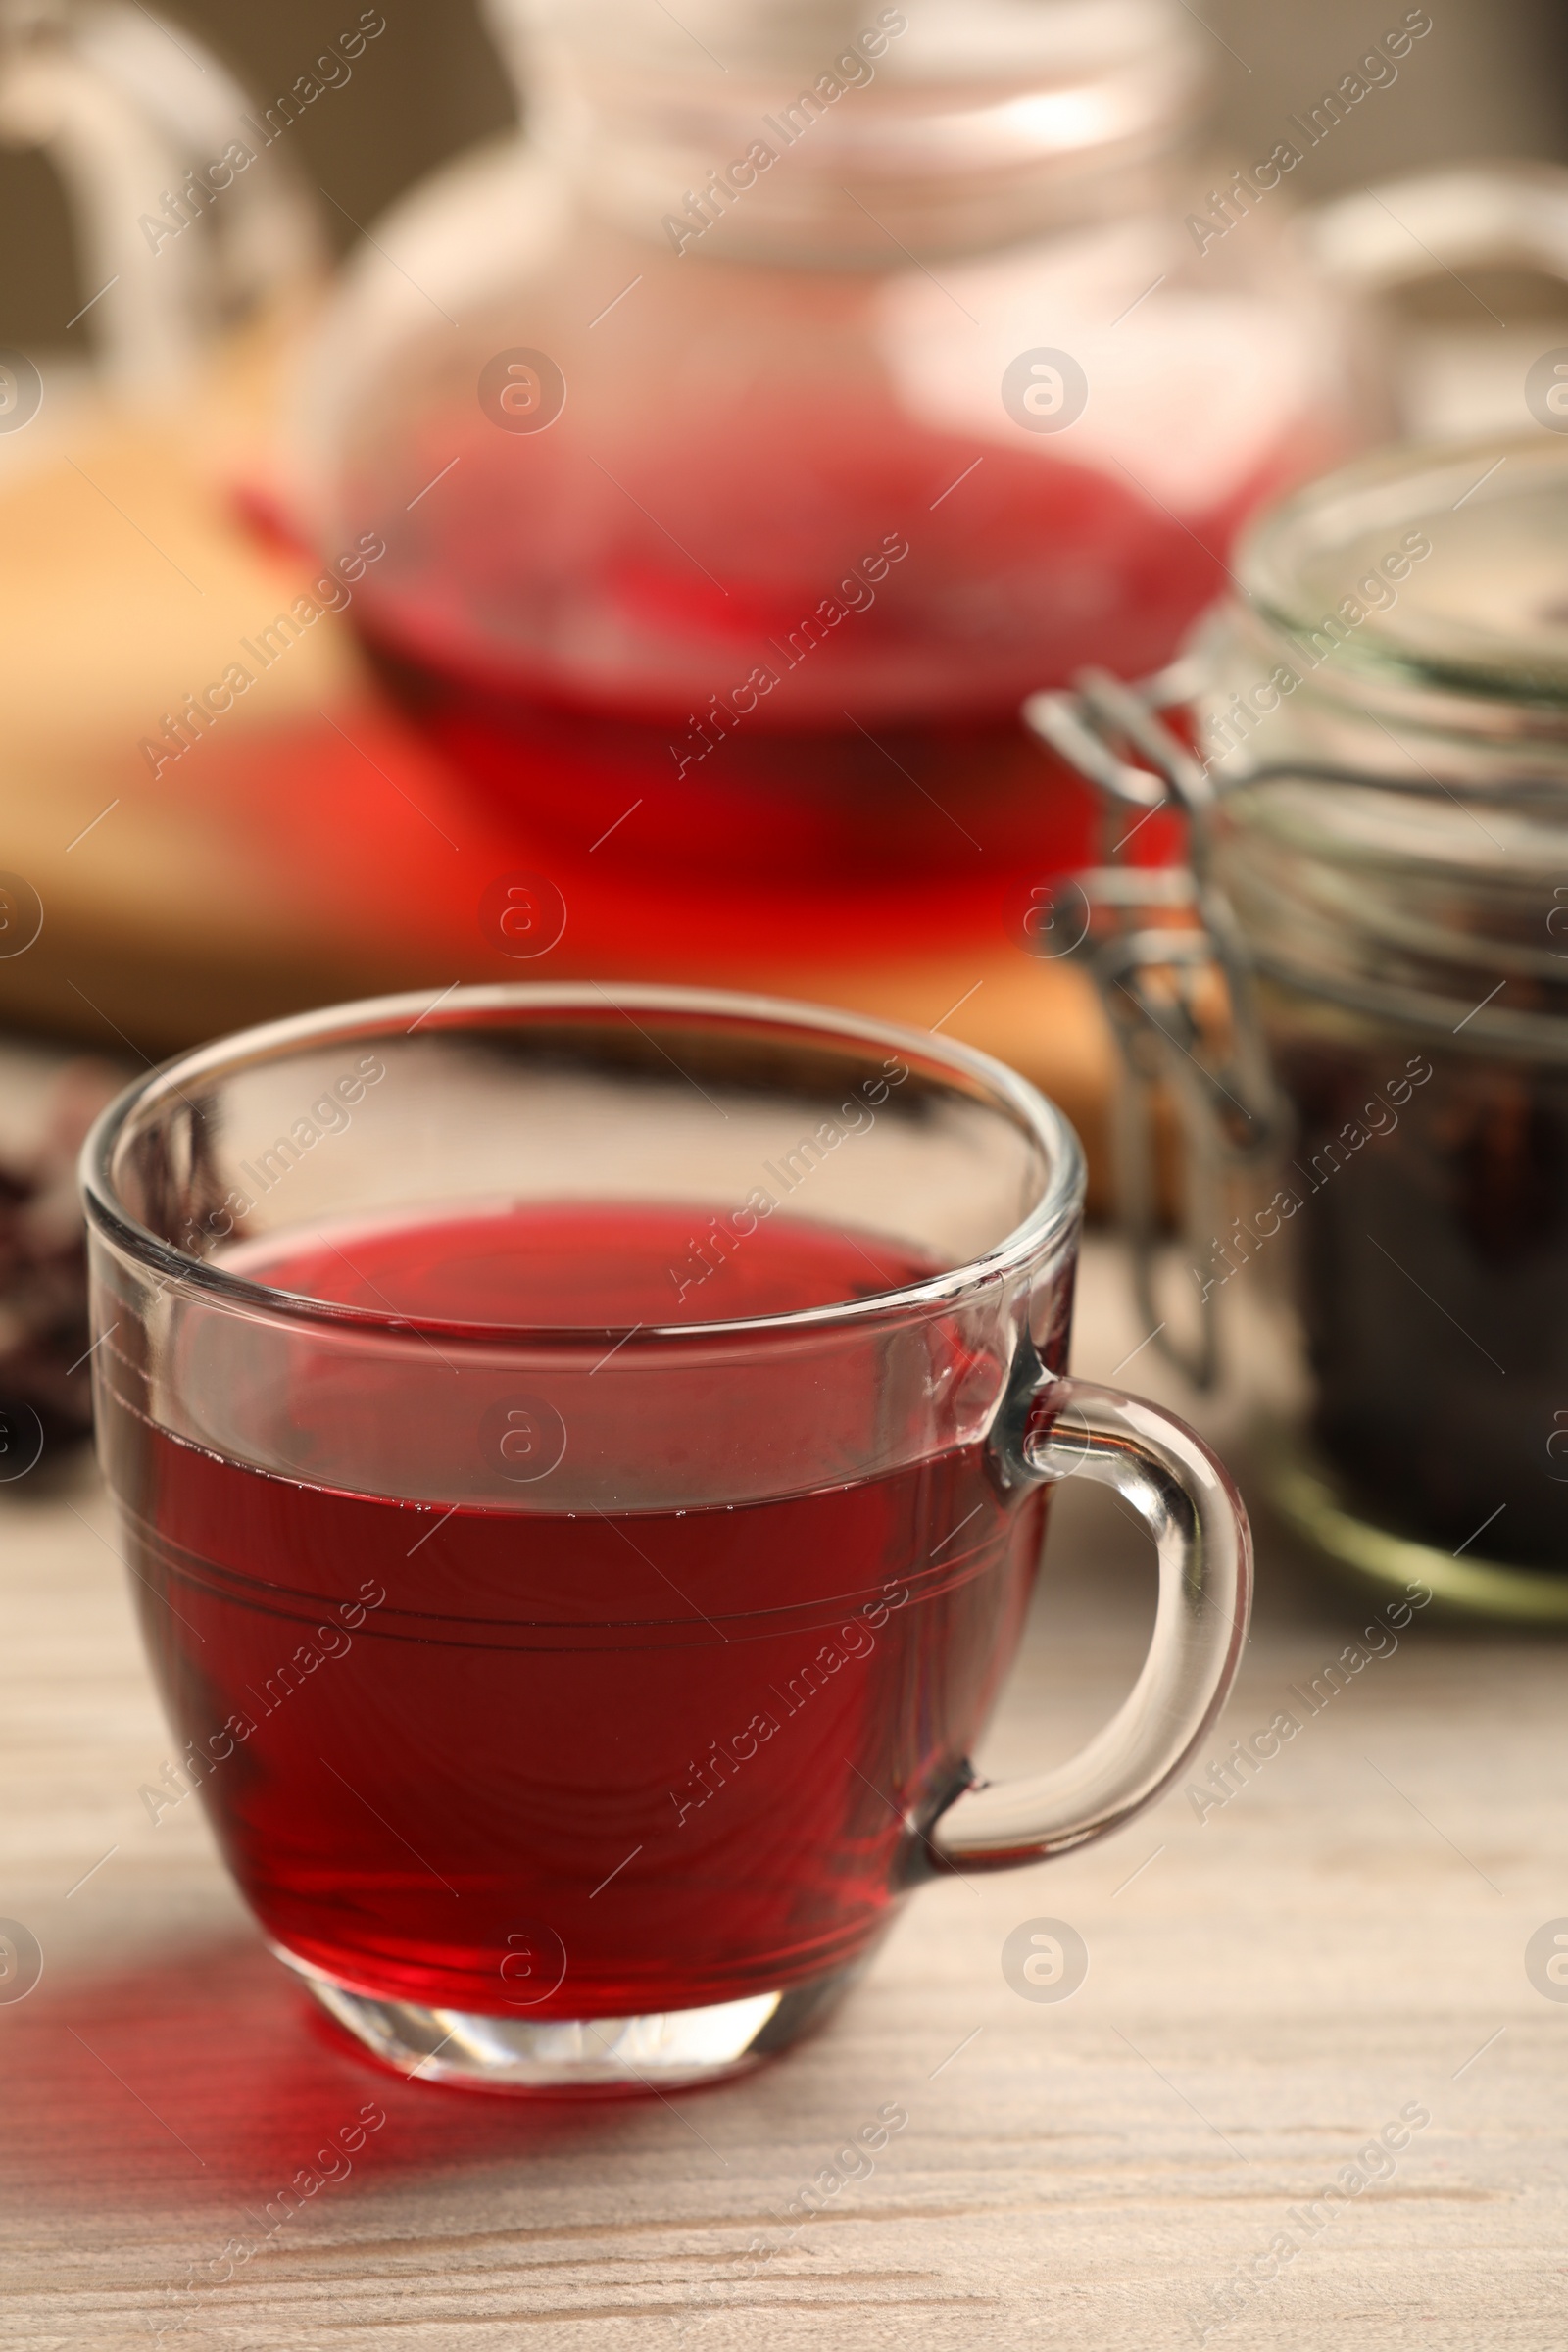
[[583, 1465]]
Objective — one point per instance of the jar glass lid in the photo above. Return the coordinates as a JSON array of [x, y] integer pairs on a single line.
[[1445, 568]]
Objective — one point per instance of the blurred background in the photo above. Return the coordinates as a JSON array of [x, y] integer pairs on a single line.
[[1496, 83], [354, 826]]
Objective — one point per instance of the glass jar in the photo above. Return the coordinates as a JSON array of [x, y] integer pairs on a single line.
[[1360, 984], [810, 383]]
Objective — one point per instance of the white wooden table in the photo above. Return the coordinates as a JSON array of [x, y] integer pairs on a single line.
[[1269, 1988]]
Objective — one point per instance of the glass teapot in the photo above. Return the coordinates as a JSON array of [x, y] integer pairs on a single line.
[[812, 383]]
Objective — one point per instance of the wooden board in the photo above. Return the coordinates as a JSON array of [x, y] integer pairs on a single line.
[[1268, 1986]]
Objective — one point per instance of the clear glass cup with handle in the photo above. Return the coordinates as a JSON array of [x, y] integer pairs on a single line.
[[583, 1465]]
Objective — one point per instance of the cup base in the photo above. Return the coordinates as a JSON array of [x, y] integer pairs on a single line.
[[597, 2056]]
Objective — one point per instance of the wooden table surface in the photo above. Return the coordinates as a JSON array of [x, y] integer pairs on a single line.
[[1269, 1988]]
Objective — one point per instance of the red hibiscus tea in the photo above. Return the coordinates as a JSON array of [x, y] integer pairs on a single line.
[[765, 736], [585, 1761]]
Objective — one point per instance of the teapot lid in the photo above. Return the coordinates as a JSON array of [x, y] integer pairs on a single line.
[[935, 90]]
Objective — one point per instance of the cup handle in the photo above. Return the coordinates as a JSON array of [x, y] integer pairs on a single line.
[[1402, 229], [119, 116], [1076, 1429]]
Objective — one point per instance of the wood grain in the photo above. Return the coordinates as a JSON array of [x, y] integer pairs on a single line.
[[1268, 1988]]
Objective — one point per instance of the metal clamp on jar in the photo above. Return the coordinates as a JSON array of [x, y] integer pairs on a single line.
[[1357, 996]]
